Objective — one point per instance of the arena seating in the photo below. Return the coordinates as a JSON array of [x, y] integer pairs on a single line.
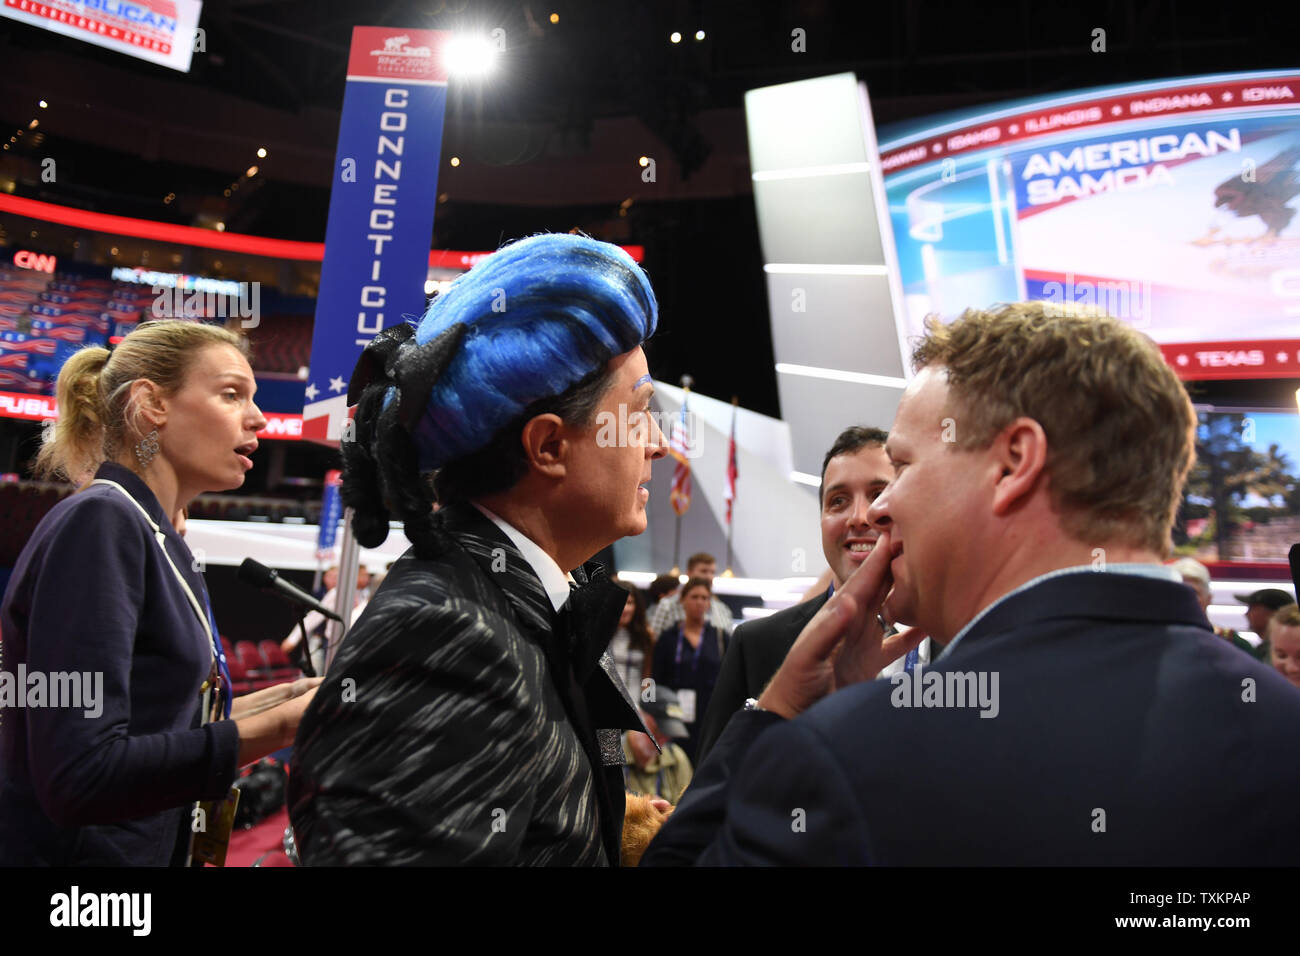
[[22, 506], [281, 343], [260, 671]]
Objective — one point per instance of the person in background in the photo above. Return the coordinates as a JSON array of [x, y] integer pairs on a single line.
[[663, 770], [107, 590], [669, 611], [364, 591], [633, 644], [855, 470], [1197, 576], [688, 656], [328, 582], [1261, 605], [665, 585], [1284, 640]]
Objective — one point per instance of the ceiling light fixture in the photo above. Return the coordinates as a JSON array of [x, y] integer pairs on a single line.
[[469, 55]]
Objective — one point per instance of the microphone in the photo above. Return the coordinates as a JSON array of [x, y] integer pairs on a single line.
[[260, 576]]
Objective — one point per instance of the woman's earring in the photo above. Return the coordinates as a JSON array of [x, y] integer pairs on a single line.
[[146, 448]]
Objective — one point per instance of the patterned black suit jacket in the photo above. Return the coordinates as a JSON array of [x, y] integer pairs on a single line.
[[464, 722]]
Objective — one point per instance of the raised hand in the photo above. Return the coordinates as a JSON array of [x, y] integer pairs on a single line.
[[844, 643]]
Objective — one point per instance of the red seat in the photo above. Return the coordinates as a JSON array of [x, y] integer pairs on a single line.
[[239, 682], [278, 667], [251, 658], [273, 656]]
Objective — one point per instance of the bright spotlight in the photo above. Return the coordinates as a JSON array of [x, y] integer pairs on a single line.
[[261, 152], [643, 161], [674, 37], [250, 172], [470, 55], [699, 34], [455, 160], [44, 104], [221, 227]]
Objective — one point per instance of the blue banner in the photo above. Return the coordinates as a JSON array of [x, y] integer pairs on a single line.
[[380, 224], [330, 512]]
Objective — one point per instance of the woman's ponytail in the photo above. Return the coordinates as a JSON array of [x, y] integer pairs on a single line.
[[74, 445]]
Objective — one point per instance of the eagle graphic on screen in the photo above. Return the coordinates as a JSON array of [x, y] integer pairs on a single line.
[[1265, 195]]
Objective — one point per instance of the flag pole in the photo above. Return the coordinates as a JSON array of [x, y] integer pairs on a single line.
[[731, 479], [677, 548]]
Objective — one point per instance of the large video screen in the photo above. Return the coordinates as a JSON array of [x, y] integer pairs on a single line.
[[1242, 502], [1170, 204]]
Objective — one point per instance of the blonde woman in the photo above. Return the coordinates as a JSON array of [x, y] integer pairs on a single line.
[[106, 600]]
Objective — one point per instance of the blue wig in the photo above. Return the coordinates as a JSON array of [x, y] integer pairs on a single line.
[[540, 315], [527, 323]]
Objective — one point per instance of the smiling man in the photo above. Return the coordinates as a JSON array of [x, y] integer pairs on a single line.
[[855, 471], [1038, 461], [473, 714]]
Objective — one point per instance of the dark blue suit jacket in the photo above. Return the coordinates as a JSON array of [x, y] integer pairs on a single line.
[[92, 593], [1126, 734]]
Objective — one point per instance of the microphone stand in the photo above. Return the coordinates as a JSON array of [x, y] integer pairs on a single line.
[[305, 664]]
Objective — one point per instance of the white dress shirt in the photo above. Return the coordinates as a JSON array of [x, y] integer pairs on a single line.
[[554, 581]]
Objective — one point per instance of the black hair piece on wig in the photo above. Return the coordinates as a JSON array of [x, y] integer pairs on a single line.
[[380, 465]]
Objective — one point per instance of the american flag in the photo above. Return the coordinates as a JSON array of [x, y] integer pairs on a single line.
[[729, 492], [679, 448]]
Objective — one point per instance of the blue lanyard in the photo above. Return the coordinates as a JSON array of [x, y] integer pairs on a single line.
[[227, 691], [681, 639]]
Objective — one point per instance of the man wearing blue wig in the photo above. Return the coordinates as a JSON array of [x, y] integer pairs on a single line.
[[473, 714]]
